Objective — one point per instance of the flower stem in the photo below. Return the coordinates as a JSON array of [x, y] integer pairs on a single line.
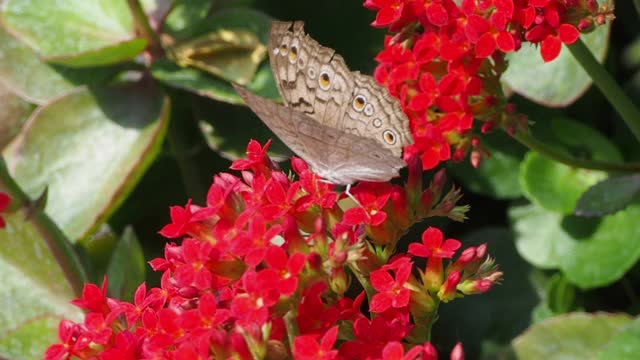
[[610, 89], [366, 285], [291, 325], [144, 29], [563, 157]]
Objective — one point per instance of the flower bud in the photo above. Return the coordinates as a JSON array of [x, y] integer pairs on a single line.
[[458, 352], [448, 290]]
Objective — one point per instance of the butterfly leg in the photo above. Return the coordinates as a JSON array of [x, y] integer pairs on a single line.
[[347, 191]]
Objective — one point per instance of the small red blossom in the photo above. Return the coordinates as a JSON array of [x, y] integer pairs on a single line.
[[257, 159], [371, 336], [282, 272], [184, 220], [434, 246], [93, 298], [391, 292], [389, 11], [395, 351], [307, 346], [318, 192], [371, 197]]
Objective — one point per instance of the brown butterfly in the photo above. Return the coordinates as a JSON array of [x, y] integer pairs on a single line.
[[342, 123]]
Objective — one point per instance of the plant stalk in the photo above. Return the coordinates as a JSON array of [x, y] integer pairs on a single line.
[[143, 28], [608, 86], [564, 158]]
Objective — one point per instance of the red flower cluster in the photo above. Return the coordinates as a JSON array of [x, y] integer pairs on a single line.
[[4, 202], [447, 74], [264, 266]]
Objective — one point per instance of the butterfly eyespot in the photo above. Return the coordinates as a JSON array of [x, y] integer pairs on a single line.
[[377, 122], [283, 49], [389, 137], [369, 110], [324, 81], [293, 54], [359, 103], [312, 73]]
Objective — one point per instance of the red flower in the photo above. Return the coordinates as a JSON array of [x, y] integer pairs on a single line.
[[371, 336], [72, 342], [307, 346], [132, 312], [433, 245], [391, 292], [282, 273], [316, 317], [93, 298], [389, 11], [552, 39], [4, 202], [318, 192], [183, 221], [257, 158], [437, 14], [253, 306], [395, 351], [372, 198], [225, 288]]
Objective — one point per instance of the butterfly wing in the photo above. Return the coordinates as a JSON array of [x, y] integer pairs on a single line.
[[337, 156], [315, 80]]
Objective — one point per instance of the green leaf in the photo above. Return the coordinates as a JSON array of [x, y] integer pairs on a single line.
[[495, 176], [474, 319], [27, 76], [89, 148], [207, 85], [559, 82], [609, 196], [540, 238], [14, 114], [126, 269], [97, 249], [541, 312], [631, 55], [35, 291], [203, 84], [232, 55], [184, 15], [625, 344], [590, 254], [30, 339], [560, 294], [556, 186], [228, 130], [572, 336], [74, 32]]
